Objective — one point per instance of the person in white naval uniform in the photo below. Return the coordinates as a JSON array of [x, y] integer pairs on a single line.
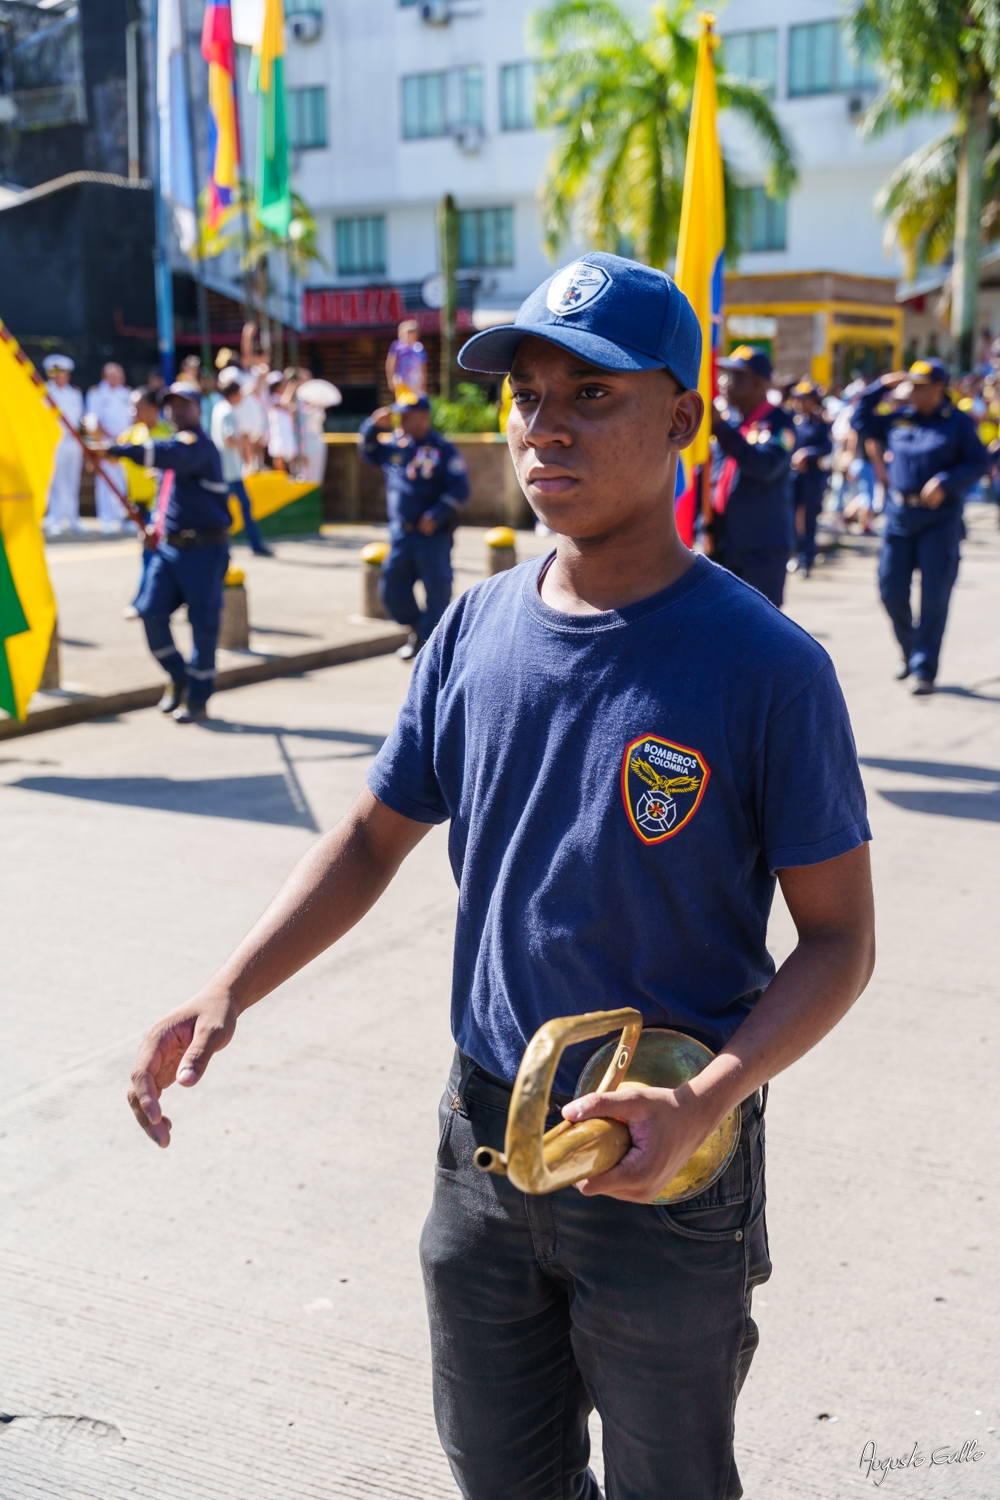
[[63, 512], [109, 405]]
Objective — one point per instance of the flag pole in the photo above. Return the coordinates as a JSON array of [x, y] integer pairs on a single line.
[[162, 279]]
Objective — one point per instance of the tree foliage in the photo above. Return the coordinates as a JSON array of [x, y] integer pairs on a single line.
[[619, 98]]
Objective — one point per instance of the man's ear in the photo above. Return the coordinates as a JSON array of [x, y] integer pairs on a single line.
[[685, 419]]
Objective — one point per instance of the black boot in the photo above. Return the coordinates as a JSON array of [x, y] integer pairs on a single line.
[[173, 697]]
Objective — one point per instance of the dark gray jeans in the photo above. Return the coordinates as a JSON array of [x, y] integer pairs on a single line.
[[543, 1308]]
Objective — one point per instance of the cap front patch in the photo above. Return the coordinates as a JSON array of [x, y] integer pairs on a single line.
[[576, 288], [662, 786]]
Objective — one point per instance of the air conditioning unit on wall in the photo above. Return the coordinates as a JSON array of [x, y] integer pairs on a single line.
[[305, 25]]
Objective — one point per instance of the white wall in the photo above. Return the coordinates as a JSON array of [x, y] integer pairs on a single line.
[[367, 46]]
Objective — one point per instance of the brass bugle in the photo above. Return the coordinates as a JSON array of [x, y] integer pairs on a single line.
[[539, 1161]]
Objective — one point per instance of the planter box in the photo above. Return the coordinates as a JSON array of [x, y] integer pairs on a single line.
[[353, 491]]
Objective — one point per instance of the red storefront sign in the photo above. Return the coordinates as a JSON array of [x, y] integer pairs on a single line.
[[370, 307]]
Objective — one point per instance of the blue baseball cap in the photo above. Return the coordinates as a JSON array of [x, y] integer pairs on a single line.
[[419, 403], [745, 357], [613, 312], [928, 372]]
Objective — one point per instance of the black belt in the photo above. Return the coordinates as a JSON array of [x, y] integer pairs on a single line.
[[471, 1069], [911, 500], [184, 539]]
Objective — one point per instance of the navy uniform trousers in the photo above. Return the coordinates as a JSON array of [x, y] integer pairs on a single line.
[[934, 550], [413, 557], [191, 576], [807, 492], [543, 1308]]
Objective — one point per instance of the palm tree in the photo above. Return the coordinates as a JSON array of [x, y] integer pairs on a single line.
[[938, 55], [620, 99]]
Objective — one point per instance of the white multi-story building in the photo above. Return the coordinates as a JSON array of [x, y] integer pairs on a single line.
[[394, 103]]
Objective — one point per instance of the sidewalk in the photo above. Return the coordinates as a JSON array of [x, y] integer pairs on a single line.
[[304, 613]]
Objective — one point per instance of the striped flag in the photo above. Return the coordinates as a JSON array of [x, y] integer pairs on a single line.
[[701, 248], [176, 160], [29, 433], [222, 193], [273, 186]]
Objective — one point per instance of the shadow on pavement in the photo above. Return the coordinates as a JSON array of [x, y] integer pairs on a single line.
[[368, 744], [942, 770], [254, 799], [982, 805]]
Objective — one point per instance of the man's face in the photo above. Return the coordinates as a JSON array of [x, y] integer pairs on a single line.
[[146, 412], [927, 398], [114, 375], [184, 413], [744, 389], [805, 406], [409, 334], [59, 375], [593, 448], [416, 423]]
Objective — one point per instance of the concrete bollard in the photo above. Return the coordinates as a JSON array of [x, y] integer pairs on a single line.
[[500, 554], [234, 627], [372, 558]]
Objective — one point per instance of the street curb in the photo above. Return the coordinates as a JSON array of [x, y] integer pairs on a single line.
[[109, 704]]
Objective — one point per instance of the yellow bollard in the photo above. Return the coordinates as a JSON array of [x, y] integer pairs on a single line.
[[500, 553], [234, 626], [372, 558]]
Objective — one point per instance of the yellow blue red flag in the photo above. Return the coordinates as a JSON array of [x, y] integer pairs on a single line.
[[701, 242], [222, 193]]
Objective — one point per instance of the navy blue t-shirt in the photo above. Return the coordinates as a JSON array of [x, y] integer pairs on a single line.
[[621, 788]]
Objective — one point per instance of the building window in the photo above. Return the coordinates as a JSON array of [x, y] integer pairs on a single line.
[[517, 96], [820, 61], [438, 103], [764, 221], [485, 238], [753, 55], [306, 118], [361, 246]]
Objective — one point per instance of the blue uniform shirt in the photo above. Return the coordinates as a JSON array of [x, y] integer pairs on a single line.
[[426, 478], [621, 787], [199, 500], [758, 515], [944, 446]]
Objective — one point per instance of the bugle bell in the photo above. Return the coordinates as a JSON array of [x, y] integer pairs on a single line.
[[539, 1161]]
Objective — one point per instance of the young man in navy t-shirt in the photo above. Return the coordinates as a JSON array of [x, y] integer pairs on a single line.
[[545, 716]]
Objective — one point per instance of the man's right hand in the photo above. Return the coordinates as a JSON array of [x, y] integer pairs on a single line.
[[382, 419], [894, 378], [178, 1048]]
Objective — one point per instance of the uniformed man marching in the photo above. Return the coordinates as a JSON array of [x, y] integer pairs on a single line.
[[751, 498], [933, 456], [191, 558], [810, 470], [426, 482]]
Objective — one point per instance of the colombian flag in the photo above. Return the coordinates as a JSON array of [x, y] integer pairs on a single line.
[[701, 247], [223, 188], [29, 433]]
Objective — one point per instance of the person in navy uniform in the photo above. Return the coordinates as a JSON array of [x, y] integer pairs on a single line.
[[810, 470], [754, 528], [933, 457], [192, 555], [426, 482]]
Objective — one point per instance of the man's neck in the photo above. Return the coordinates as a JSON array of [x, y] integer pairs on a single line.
[[631, 563]]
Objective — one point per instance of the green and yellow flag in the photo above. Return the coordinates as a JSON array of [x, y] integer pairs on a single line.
[[29, 432], [272, 184]]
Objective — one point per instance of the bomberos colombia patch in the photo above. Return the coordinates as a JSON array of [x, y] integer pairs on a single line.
[[662, 786]]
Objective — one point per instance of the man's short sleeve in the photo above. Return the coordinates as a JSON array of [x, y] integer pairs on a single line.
[[810, 799], [403, 774]]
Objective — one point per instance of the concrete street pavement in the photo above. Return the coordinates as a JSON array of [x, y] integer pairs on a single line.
[[241, 1316]]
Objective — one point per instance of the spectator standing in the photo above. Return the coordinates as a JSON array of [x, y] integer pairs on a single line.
[[63, 512], [226, 436], [810, 469], [251, 420], [281, 446], [406, 364], [109, 410]]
